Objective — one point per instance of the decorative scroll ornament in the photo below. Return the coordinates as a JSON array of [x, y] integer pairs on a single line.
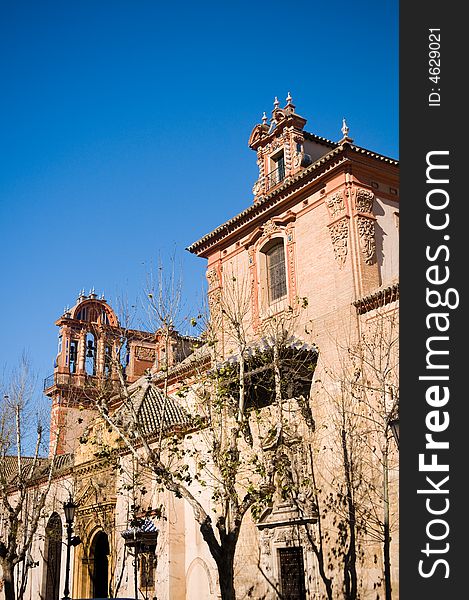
[[339, 237], [335, 204], [212, 277], [270, 227], [366, 231], [256, 188], [297, 159], [364, 200], [277, 142], [214, 303]]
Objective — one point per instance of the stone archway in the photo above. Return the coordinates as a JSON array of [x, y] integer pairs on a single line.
[[100, 565], [199, 582]]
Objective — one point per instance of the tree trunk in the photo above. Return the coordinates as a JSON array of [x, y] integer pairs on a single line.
[[350, 560], [387, 536], [326, 580], [225, 568], [223, 553], [8, 578]]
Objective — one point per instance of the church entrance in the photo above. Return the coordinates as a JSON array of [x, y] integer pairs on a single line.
[[100, 566]]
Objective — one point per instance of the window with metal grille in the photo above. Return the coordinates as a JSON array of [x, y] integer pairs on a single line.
[[276, 272], [277, 174], [292, 573], [147, 570]]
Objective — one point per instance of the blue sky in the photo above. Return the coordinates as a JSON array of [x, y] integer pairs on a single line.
[[124, 129]]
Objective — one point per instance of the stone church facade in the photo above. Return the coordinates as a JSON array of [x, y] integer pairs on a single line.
[[321, 233]]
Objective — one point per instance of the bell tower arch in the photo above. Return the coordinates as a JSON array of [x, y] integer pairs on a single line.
[[91, 345], [89, 335]]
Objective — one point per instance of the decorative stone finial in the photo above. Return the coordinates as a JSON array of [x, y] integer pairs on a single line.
[[289, 98], [264, 119], [276, 103], [81, 294], [344, 129]]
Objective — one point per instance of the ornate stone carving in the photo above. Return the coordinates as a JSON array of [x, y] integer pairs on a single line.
[[214, 303], [364, 200], [339, 238], [144, 353], [254, 299], [290, 230], [266, 536], [276, 143], [291, 269], [297, 159], [284, 534], [270, 227], [366, 232], [213, 279], [335, 204]]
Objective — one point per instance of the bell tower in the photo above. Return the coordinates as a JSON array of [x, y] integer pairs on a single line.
[[91, 345], [283, 148]]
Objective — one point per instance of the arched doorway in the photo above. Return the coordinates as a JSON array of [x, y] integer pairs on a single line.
[[52, 556], [100, 566]]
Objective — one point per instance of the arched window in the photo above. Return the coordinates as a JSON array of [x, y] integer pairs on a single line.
[[73, 356], [90, 354], [275, 270], [52, 554]]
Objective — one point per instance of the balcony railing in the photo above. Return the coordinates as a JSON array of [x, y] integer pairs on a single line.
[[275, 177], [57, 379], [67, 379], [49, 381]]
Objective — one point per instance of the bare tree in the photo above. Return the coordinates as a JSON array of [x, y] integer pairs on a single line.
[[227, 457], [376, 360], [25, 480], [363, 397]]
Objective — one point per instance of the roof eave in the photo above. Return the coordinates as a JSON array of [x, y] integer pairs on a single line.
[[201, 246]]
